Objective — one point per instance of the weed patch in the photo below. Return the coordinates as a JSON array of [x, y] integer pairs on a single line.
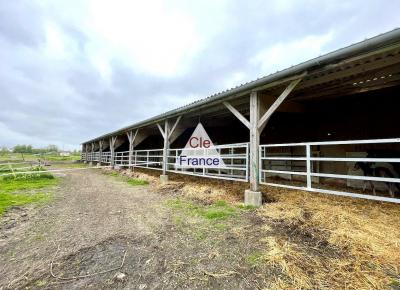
[[13, 189], [216, 211], [10, 184], [135, 182], [246, 207], [127, 179], [8, 200], [254, 258]]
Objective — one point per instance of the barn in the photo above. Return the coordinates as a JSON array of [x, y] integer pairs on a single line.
[[325, 125]]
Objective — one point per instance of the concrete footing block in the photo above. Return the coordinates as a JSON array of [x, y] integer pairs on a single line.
[[163, 178], [91, 163], [117, 167], [98, 164], [253, 198]]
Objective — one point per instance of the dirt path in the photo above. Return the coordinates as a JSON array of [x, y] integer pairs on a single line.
[[95, 219]]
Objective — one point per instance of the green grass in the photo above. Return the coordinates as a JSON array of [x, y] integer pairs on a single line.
[[16, 167], [63, 158], [246, 207], [254, 259], [10, 183], [204, 223], [8, 200], [217, 211], [17, 157], [72, 165], [130, 181], [14, 190], [137, 182], [395, 283]]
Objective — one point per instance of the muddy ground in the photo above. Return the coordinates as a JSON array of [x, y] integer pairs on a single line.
[[97, 222]]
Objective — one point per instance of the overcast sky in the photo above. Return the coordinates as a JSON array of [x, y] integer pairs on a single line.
[[72, 70]]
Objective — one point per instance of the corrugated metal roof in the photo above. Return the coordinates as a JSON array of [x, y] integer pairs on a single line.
[[365, 46]]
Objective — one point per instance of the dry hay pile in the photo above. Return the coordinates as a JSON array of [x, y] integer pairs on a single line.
[[321, 241], [313, 240], [150, 178], [205, 190]]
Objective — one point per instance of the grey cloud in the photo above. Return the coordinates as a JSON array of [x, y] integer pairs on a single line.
[[21, 22], [69, 101]]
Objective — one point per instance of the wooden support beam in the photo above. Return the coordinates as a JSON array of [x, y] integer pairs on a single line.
[[113, 139], [263, 120], [101, 142], [166, 147], [174, 126], [131, 138], [84, 152], [161, 130], [254, 141], [237, 114]]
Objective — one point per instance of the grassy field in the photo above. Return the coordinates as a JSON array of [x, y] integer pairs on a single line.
[[24, 189], [18, 157]]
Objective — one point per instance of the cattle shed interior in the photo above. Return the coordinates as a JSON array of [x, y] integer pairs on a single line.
[[348, 95]]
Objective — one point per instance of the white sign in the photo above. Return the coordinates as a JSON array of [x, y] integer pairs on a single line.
[[199, 152]]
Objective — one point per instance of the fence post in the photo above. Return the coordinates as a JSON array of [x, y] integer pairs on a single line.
[[308, 156]]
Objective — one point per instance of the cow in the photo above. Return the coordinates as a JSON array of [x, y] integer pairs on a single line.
[[369, 169]]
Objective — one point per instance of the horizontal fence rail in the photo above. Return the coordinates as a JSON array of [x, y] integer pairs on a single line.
[[234, 156], [283, 166], [151, 159]]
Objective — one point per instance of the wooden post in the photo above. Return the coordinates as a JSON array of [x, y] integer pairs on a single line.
[[256, 125], [131, 138], [253, 196], [92, 154], [112, 149], [100, 151], [83, 152], [166, 133], [254, 140], [166, 147], [86, 150]]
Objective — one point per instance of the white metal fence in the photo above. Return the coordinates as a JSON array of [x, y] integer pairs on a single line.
[[121, 158], [304, 163], [106, 157], [151, 158], [90, 156], [294, 165], [234, 156]]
